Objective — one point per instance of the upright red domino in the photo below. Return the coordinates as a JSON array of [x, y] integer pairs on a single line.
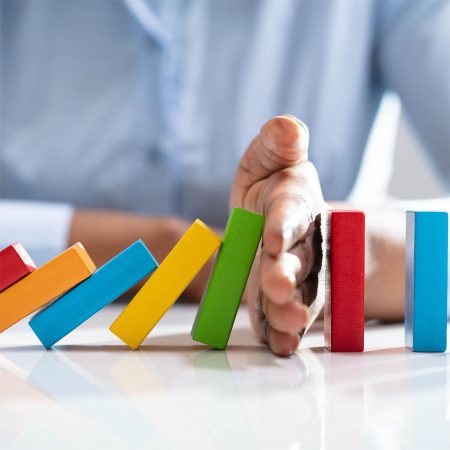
[[15, 263], [344, 305]]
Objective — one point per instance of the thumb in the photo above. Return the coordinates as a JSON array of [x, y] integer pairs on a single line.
[[283, 142]]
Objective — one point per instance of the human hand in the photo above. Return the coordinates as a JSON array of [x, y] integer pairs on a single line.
[[274, 178]]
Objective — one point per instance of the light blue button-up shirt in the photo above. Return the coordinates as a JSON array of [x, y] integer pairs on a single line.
[[148, 105]]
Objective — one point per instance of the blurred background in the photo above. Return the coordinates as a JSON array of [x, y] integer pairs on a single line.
[[402, 160], [409, 162], [130, 98]]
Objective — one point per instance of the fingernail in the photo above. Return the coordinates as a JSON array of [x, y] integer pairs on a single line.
[[300, 122]]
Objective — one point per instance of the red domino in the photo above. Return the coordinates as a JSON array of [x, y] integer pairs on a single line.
[[15, 263], [344, 306]]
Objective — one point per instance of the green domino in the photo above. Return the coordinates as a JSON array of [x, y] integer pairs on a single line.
[[223, 294]]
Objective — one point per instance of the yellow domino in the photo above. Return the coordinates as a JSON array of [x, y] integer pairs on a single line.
[[166, 284], [44, 284]]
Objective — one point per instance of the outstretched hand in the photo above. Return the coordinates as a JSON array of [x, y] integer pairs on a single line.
[[274, 178]]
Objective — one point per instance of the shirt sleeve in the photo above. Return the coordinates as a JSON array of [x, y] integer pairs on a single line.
[[412, 58], [41, 227]]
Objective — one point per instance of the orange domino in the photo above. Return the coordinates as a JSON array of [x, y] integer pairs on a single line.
[[44, 285]]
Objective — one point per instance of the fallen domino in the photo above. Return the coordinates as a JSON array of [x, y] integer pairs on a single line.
[[167, 283], [15, 264], [344, 303], [107, 284], [223, 294], [44, 285], [426, 281]]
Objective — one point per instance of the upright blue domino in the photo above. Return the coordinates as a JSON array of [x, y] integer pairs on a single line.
[[102, 288], [426, 281]]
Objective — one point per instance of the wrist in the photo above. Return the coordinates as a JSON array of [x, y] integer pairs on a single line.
[[385, 265]]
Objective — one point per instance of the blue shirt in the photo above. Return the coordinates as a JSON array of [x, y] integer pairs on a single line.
[[148, 105]]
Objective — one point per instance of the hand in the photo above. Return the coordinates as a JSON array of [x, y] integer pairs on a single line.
[[105, 233], [274, 178]]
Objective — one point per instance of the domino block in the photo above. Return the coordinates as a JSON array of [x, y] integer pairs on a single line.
[[168, 282], [15, 264], [426, 281], [344, 303], [45, 284], [221, 300], [107, 284]]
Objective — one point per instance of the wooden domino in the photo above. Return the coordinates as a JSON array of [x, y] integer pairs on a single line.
[[107, 284], [167, 283], [426, 281], [15, 264], [221, 300], [44, 285], [344, 305]]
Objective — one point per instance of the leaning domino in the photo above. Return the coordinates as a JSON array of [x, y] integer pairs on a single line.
[[221, 300], [15, 264], [44, 284], [168, 282], [107, 284]]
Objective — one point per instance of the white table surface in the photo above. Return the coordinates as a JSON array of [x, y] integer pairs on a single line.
[[92, 392]]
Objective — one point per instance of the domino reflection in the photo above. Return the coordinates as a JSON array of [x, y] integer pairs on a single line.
[[259, 386], [343, 406], [426, 402], [405, 394], [23, 407], [137, 377], [78, 391]]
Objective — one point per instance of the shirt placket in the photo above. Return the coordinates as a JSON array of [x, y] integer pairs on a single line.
[[158, 106], [171, 94]]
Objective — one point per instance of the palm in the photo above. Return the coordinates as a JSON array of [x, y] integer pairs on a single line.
[[274, 178]]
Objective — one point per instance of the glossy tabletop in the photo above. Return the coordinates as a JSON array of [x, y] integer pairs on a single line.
[[93, 392]]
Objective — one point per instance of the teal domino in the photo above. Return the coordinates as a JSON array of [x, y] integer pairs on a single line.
[[426, 281], [107, 284]]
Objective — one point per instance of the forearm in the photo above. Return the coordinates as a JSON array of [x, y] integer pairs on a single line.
[[384, 261], [105, 233], [385, 274], [385, 264]]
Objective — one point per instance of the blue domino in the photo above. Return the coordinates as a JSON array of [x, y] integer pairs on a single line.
[[426, 281], [107, 284]]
